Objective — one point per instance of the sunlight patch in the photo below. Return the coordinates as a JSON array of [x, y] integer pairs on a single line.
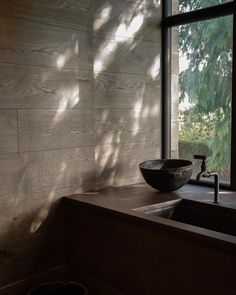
[[157, 3], [105, 55], [42, 215], [129, 31], [123, 34], [137, 114], [155, 68], [76, 47], [70, 98], [102, 17], [61, 61]]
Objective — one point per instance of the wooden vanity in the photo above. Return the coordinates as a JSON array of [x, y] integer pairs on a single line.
[[135, 253]]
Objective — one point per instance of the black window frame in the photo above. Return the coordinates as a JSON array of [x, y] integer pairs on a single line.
[[169, 21]]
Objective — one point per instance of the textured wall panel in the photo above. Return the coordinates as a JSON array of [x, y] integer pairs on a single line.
[[75, 14], [118, 164], [124, 55], [8, 131], [53, 129], [37, 87], [114, 90], [79, 84], [127, 126], [127, 19]]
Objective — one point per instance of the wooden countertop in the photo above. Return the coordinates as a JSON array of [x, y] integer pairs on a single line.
[[122, 200]]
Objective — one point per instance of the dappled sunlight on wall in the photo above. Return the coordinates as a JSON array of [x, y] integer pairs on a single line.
[[127, 115], [79, 108], [69, 50], [69, 99], [131, 126], [43, 212], [131, 29], [116, 164], [61, 61], [102, 16], [52, 179], [40, 218], [43, 180], [125, 138], [122, 32], [136, 117], [154, 70], [85, 98]]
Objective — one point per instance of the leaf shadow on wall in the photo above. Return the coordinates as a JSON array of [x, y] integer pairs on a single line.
[[99, 99], [127, 87]]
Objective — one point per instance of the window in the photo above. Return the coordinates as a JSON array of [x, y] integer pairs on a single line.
[[198, 91], [180, 6]]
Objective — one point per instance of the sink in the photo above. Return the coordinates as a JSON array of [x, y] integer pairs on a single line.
[[204, 215], [166, 175]]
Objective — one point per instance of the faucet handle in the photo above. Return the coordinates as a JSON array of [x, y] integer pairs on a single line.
[[200, 157], [203, 158]]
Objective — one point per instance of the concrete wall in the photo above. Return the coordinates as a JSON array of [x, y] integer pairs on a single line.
[[79, 105]]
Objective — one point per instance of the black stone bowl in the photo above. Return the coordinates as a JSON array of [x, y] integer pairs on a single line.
[[166, 175]]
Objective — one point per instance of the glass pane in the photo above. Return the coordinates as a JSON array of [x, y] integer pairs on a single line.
[[201, 93], [181, 6]]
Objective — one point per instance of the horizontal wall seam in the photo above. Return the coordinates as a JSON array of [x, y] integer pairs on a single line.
[[73, 69], [158, 25]]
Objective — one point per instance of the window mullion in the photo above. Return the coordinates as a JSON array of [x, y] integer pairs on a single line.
[[233, 131], [166, 84], [199, 15]]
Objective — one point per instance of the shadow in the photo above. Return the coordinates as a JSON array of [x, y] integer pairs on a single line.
[[124, 84], [88, 111], [127, 83]]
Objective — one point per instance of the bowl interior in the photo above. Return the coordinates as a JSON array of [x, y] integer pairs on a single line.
[[165, 164]]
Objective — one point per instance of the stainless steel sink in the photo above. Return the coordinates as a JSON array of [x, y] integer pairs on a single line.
[[204, 215]]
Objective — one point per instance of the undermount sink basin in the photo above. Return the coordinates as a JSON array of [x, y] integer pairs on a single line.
[[204, 215]]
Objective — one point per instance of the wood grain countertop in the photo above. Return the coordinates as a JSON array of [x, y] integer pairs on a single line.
[[120, 201]]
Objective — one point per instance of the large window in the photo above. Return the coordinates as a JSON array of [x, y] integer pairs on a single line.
[[197, 84]]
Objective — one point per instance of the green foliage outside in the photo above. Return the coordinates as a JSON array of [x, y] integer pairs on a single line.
[[207, 45]]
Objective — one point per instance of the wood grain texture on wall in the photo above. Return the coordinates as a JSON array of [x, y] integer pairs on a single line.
[[127, 89], [117, 164], [8, 131], [26, 42], [29, 87], [120, 126], [79, 104], [34, 172], [67, 13], [53, 129], [115, 90]]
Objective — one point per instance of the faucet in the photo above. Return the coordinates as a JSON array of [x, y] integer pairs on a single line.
[[205, 173]]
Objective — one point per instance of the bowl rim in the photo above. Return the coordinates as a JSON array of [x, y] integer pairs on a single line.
[[189, 165]]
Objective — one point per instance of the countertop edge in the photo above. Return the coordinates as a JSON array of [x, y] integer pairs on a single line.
[[178, 229]]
